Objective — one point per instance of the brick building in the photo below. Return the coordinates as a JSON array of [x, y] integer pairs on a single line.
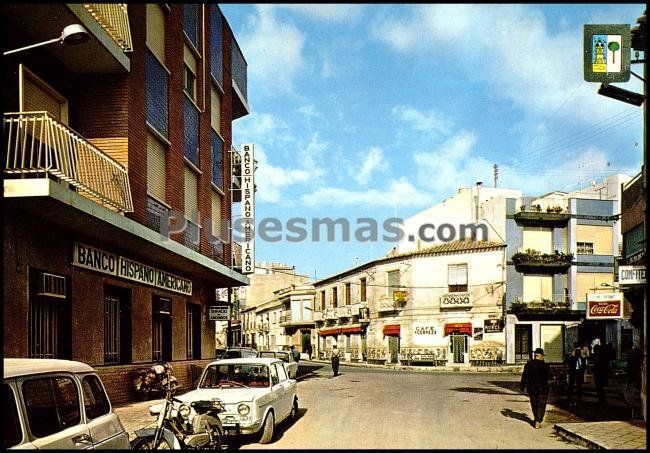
[[118, 184]]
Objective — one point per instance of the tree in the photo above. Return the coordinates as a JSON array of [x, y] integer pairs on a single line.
[[613, 46]]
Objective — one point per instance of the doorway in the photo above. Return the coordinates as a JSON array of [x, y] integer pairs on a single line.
[[393, 348], [523, 342], [458, 345]]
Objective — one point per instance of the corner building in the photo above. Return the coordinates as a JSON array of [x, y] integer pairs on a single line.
[[117, 184]]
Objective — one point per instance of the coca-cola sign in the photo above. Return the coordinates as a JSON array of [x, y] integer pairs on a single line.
[[604, 306]]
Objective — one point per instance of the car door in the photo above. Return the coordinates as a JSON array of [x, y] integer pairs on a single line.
[[285, 402], [104, 425], [53, 412]]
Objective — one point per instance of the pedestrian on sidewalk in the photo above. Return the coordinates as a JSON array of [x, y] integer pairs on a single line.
[[336, 356], [576, 366], [601, 372], [295, 354], [584, 353], [535, 379]]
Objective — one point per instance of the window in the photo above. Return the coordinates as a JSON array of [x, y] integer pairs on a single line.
[[362, 289], [95, 399], [49, 321], [538, 238], [585, 248], [189, 74], [157, 105], [216, 45], [538, 288], [51, 404], [117, 325], [161, 329], [322, 300], [191, 209], [347, 293], [217, 161], [274, 376], [282, 374], [11, 433], [191, 132], [335, 297], [191, 21], [39, 96], [215, 109], [156, 30], [457, 278], [216, 214], [392, 282], [156, 164], [193, 337]]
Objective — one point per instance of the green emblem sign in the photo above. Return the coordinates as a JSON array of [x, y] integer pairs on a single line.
[[607, 53]]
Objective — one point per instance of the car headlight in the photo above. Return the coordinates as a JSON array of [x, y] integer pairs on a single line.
[[185, 411], [243, 409]]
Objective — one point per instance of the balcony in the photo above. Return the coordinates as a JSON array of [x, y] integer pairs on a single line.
[[239, 82], [286, 320], [329, 314], [543, 211], [456, 300], [37, 146], [558, 306], [387, 304], [535, 261], [114, 18]]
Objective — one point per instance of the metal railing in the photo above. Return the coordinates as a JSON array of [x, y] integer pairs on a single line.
[[114, 18], [37, 145]]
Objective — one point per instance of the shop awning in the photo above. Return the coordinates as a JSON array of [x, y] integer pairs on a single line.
[[354, 329], [392, 329], [326, 332], [458, 327]]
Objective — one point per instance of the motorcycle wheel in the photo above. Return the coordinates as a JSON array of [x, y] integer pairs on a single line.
[[146, 443]]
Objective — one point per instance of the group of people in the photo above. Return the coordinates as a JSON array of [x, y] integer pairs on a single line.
[[536, 374]]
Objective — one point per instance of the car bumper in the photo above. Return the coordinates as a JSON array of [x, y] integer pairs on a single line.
[[236, 427]]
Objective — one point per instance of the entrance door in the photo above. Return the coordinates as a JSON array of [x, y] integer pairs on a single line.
[[523, 342], [393, 348], [458, 347]]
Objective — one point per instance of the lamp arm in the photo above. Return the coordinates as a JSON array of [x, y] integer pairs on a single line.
[[32, 46]]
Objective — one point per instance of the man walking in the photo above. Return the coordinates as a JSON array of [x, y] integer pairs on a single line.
[[336, 355], [535, 379], [295, 354], [576, 366]]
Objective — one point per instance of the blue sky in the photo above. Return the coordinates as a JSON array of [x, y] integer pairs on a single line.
[[383, 110]]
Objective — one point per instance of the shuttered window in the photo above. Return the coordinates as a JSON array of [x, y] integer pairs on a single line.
[[538, 288], [457, 278], [215, 109], [189, 82], [38, 97], [392, 278], [156, 30], [156, 176], [191, 202], [216, 44], [216, 214], [538, 238]]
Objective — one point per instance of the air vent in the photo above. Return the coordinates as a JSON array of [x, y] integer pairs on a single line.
[[51, 285]]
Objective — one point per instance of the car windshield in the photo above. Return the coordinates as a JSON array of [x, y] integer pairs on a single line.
[[235, 376]]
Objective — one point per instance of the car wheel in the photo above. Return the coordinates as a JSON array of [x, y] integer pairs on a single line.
[[294, 411], [267, 429]]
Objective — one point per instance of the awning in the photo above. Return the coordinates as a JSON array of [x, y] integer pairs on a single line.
[[392, 329], [458, 327], [326, 332], [355, 329]]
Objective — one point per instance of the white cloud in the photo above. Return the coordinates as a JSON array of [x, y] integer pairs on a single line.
[[372, 160], [271, 180], [422, 121], [334, 13], [273, 50], [400, 193]]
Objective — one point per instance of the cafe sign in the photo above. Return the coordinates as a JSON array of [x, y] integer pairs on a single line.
[[605, 306], [119, 266]]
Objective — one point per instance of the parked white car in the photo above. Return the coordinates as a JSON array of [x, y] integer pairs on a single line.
[[290, 363], [59, 404], [256, 392]]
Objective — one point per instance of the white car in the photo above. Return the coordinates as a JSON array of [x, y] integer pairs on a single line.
[[286, 357], [62, 404], [256, 392]]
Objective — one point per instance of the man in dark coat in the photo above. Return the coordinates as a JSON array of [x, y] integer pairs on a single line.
[[535, 379], [601, 373], [576, 366]]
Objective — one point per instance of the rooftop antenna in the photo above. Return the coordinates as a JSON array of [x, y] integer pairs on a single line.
[[496, 175]]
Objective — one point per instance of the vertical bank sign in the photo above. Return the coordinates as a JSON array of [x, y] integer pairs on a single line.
[[248, 209]]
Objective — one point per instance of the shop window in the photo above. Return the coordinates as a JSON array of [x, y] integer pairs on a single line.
[[49, 316], [117, 325], [162, 329], [193, 338], [457, 278]]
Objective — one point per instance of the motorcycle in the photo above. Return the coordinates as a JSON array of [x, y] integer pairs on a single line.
[[150, 383], [180, 426]]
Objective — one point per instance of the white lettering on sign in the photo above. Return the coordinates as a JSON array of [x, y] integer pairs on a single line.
[[425, 334], [219, 313], [248, 209], [631, 275], [605, 306], [108, 263]]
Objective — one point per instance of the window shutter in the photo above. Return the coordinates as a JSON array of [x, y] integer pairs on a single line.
[[215, 110], [191, 202], [457, 274], [156, 175], [216, 214], [37, 99], [156, 30]]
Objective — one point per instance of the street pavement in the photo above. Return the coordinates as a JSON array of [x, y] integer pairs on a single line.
[[460, 400]]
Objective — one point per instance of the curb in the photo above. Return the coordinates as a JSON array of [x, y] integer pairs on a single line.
[[577, 439]]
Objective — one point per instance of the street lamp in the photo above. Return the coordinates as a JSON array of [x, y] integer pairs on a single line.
[[72, 35]]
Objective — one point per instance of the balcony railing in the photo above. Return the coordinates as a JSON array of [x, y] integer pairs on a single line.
[[534, 258], [543, 210], [39, 146], [329, 313], [556, 302], [114, 18], [387, 304]]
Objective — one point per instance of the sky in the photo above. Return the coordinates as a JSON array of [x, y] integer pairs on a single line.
[[378, 111]]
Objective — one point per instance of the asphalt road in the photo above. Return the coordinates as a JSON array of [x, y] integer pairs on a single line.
[[378, 408]]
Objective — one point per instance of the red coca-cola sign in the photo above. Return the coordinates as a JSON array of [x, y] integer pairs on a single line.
[[604, 309]]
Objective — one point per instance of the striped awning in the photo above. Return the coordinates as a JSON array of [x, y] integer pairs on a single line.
[[392, 329], [327, 332]]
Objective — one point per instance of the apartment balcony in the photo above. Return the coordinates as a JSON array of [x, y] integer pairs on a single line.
[[456, 300], [108, 25], [239, 82], [542, 211], [387, 304], [286, 320], [37, 146], [329, 314], [263, 327], [535, 261], [556, 306]]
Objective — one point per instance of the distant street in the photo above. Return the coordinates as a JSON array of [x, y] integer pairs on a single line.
[[379, 408]]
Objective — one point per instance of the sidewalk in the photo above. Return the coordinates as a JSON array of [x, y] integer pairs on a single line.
[[599, 428]]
